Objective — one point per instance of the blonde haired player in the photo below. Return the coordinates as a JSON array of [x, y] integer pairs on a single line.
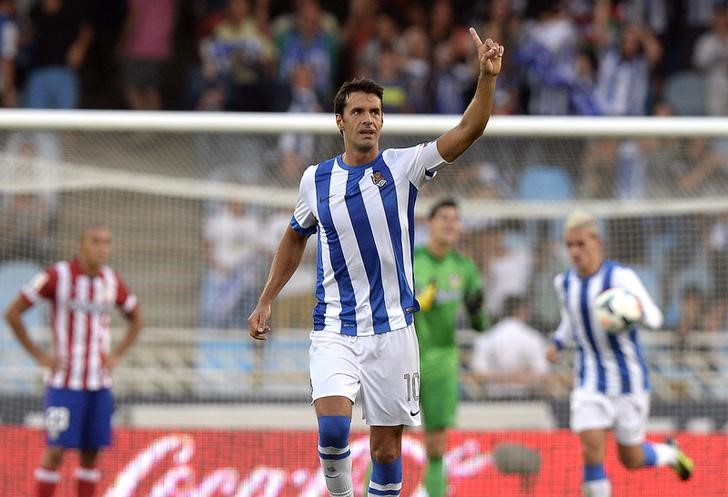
[[611, 381]]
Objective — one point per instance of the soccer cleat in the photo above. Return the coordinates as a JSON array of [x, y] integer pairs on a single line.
[[683, 465]]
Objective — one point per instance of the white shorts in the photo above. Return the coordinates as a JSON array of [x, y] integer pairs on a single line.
[[626, 414], [385, 367]]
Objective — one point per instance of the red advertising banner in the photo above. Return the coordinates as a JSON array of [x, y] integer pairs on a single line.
[[277, 463]]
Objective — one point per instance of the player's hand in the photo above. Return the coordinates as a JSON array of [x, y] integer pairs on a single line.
[[490, 54], [552, 354], [51, 361], [111, 361], [258, 322]]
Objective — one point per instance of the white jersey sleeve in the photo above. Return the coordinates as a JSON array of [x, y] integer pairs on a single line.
[[304, 219], [422, 161], [626, 278], [563, 334]]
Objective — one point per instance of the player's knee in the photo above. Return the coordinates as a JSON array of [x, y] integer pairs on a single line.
[[52, 457], [631, 459], [334, 431], [385, 455], [592, 453]]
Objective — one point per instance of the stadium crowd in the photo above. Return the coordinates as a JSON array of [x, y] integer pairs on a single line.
[[584, 57]]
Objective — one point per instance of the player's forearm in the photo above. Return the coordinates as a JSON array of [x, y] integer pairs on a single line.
[[285, 262], [21, 333], [474, 119], [132, 333]]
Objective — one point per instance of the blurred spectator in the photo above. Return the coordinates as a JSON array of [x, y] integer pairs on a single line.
[[509, 359], [623, 83], [694, 21], [393, 79], [146, 47], [548, 57], [507, 267], [307, 42], [61, 34], [297, 149], [235, 266], [705, 168], [547, 262], [455, 73], [9, 35], [693, 309], [386, 37], [653, 14], [718, 257], [417, 67], [286, 21], [28, 218], [710, 56], [442, 21], [237, 63], [359, 27]]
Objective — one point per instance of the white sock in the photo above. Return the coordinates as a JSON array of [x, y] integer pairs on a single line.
[[666, 454], [597, 488], [337, 472]]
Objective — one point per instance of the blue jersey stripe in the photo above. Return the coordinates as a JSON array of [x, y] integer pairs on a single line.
[[347, 316], [368, 250], [411, 220], [391, 210], [374, 491], [335, 457], [319, 310], [586, 318], [640, 356], [614, 339]]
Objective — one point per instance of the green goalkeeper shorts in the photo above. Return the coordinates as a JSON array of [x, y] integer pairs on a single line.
[[439, 388]]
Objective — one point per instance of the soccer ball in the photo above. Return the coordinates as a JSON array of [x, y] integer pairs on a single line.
[[617, 310]]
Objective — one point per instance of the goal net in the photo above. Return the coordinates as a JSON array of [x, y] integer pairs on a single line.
[[196, 204]]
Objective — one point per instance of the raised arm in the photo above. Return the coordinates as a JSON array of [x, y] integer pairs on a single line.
[[285, 262], [476, 115]]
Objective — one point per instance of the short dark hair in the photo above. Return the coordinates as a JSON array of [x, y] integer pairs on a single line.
[[364, 85], [440, 204], [512, 304]]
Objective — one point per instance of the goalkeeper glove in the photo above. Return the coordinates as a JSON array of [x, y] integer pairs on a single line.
[[426, 297], [474, 302]]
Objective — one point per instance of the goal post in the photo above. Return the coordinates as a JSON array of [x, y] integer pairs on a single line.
[[197, 202]]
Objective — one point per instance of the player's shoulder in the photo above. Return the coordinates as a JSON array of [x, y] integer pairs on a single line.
[[462, 259], [620, 270], [560, 277], [394, 155], [420, 251]]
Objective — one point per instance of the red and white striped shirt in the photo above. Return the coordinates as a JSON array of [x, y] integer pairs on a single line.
[[80, 317]]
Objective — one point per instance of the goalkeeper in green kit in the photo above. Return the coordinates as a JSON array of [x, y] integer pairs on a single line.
[[445, 281]]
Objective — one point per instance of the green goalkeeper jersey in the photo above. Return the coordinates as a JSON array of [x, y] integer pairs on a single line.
[[443, 286]]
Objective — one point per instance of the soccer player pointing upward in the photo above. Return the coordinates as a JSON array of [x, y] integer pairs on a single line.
[[611, 383], [361, 205]]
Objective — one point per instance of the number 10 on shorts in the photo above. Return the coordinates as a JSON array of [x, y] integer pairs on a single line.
[[412, 382]]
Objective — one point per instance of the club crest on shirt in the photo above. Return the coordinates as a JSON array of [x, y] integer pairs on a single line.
[[378, 179], [455, 280]]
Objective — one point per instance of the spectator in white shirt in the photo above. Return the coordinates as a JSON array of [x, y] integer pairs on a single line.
[[509, 358]]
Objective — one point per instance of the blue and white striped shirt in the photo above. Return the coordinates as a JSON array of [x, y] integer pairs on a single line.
[[364, 216], [610, 363]]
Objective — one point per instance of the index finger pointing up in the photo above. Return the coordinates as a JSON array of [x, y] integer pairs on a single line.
[[475, 37]]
